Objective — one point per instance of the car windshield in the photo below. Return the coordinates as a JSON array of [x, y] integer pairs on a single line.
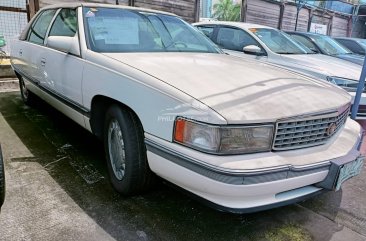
[[362, 42], [126, 30], [279, 42], [329, 45]]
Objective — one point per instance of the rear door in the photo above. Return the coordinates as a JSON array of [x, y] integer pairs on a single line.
[[27, 52]]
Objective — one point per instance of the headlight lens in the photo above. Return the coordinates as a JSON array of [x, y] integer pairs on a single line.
[[223, 140], [347, 84]]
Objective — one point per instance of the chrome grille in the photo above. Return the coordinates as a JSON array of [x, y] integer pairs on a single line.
[[307, 131]]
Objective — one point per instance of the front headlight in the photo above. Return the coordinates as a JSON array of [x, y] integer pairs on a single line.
[[223, 139], [347, 84]]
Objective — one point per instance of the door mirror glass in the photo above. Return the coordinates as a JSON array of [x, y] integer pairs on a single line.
[[252, 49], [64, 44]]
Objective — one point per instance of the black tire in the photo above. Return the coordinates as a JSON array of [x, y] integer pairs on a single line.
[[135, 175], [2, 179], [27, 96]]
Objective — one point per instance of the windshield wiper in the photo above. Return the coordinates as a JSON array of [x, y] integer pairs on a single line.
[[288, 53]]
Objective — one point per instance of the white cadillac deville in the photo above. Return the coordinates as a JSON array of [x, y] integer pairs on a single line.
[[242, 135]]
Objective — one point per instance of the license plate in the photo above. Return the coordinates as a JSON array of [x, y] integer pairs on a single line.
[[349, 170]]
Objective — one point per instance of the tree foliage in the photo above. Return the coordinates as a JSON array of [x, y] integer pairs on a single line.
[[226, 10]]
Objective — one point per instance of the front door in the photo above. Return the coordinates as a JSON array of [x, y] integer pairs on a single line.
[[62, 72]]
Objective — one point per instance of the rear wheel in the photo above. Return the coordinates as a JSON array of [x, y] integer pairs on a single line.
[[126, 151], [27, 96]]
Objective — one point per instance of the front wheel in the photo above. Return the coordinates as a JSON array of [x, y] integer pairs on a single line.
[[126, 151], [27, 96]]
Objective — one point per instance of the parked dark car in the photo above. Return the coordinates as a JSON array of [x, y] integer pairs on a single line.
[[356, 45], [326, 45], [2, 179]]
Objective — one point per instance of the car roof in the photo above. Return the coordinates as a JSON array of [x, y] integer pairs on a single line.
[[83, 4], [233, 24], [347, 38], [306, 33]]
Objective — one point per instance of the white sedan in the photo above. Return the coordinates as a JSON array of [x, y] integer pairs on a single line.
[[241, 135], [271, 45]]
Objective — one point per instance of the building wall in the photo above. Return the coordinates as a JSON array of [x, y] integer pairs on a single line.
[[263, 12], [183, 8], [206, 8], [289, 19], [268, 13], [339, 27], [44, 3], [12, 23]]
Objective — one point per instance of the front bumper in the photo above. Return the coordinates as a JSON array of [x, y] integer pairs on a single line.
[[249, 183]]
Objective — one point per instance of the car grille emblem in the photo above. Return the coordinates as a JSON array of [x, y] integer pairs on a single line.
[[331, 129]]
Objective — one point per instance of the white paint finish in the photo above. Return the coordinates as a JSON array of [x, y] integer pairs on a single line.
[[228, 195], [62, 73], [156, 103], [69, 112], [212, 88], [339, 146], [241, 91]]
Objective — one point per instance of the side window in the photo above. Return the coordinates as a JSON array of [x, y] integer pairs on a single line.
[[207, 30], [354, 47], [65, 23], [234, 39], [304, 41], [38, 30]]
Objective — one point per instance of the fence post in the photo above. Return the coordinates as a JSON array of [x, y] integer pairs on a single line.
[[282, 12], [197, 11]]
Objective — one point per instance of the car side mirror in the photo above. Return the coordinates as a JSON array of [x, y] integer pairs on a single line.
[[314, 50], [252, 49], [65, 44]]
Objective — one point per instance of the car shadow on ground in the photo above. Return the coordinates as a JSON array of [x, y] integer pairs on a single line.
[[75, 160]]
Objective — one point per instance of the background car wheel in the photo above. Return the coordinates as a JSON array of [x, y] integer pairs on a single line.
[[126, 152], [2, 179], [27, 96]]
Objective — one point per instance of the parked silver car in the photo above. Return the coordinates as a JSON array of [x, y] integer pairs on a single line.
[[268, 44], [356, 45], [324, 44]]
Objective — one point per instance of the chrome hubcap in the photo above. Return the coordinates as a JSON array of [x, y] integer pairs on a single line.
[[116, 149]]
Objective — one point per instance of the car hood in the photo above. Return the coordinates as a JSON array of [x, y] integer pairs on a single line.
[[323, 64], [241, 91], [354, 58]]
